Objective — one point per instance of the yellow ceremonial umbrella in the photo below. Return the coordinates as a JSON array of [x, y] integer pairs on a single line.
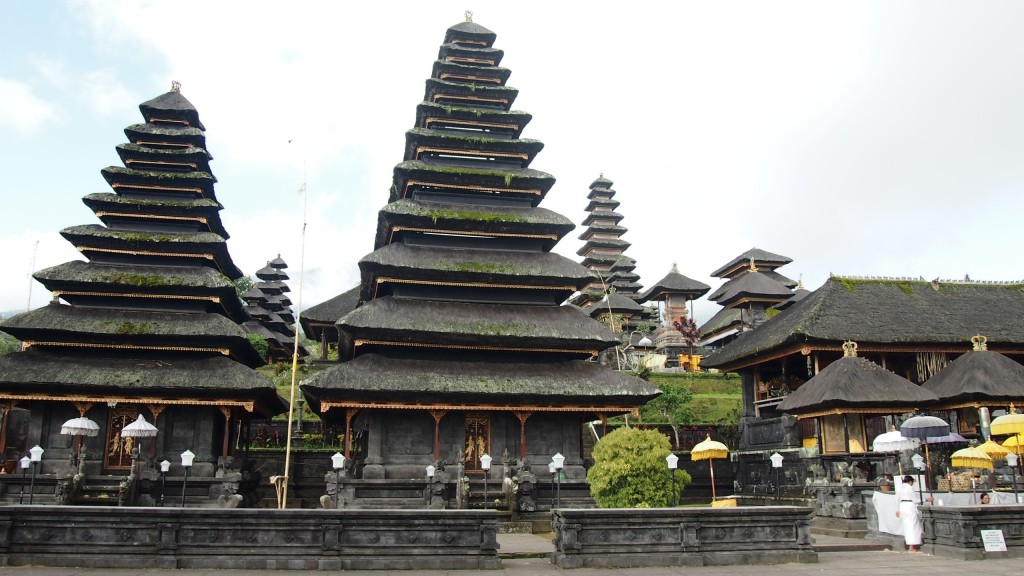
[[971, 458], [1007, 424], [709, 450], [994, 450]]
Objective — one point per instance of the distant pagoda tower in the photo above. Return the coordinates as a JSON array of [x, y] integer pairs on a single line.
[[752, 286], [603, 248], [460, 347], [270, 309], [150, 324], [673, 292]]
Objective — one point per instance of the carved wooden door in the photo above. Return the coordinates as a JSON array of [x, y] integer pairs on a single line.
[[478, 440], [118, 451]]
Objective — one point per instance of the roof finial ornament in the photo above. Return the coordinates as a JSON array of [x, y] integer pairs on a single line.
[[175, 86], [980, 343], [675, 268], [800, 282], [753, 267], [849, 349], [469, 15]]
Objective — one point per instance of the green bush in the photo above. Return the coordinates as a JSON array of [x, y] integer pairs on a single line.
[[630, 471]]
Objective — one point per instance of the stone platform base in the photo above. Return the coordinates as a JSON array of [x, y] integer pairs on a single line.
[[635, 538]]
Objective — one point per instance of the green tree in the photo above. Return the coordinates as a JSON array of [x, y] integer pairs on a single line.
[[243, 285], [8, 344], [671, 407], [630, 471], [260, 344]]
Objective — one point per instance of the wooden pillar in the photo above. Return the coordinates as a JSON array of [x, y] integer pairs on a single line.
[[817, 432], [523, 417], [846, 434], [155, 410], [437, 415], [226, 411], [8, 406], [349, 414]]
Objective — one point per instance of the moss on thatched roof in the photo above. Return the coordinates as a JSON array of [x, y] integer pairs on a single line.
[[123, 375], [460, 323], [907, 312], [374, 376]]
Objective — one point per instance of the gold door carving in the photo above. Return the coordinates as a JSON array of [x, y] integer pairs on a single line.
[[478, 440], [118, 453]]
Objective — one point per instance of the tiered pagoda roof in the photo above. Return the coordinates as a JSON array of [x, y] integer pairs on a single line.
[[459, 304], [604, 248], [154, 302], [752, 285], [269, 308]]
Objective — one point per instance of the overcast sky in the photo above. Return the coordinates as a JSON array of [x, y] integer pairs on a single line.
[[857, 138]]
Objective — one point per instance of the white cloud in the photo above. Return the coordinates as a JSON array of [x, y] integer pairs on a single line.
[[21, 109], [26, 253]]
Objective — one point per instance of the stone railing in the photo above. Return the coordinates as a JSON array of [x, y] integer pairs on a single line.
[[247, 539], [628, 538], [955, 531]]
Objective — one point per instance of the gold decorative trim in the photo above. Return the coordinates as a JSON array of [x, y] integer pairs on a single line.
[[411, 183], [77, 399], [980, 343], [435, 119], [450, 96], [386, 279], [210, 257], [200, 219], [464, 60], [421, 149], [848, 410], [362, 341], [326, 405], [59, 293], [153, 119], [158, 143], [395, 229], [445, 75], [117, 185], [30, 343], [191, 165]]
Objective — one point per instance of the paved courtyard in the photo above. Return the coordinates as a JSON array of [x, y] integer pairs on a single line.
[[524, 555]]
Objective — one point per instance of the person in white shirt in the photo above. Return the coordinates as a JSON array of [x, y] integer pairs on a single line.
[[909, 515]]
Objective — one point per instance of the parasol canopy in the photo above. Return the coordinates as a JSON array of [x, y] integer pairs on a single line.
[[139, 429], [81, 426], [708, 449], [1015, 443], [894, 441], [994, 450], [1011, 423], [951, 438], [971, 458], [924, 427]]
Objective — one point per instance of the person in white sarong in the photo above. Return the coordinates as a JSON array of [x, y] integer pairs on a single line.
[[909, 515]]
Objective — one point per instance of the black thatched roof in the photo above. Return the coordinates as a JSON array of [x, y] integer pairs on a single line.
[[888, 311], [531, 183], [523, 149], [77, 275], [199, 184], [174, 245], [131, 153], [762, 258], [62, 323], [120, 375], [798, 295], [980, 377], [471, 266], [469, 31], [614, 216], [171, 105], [434, 115], [463, 218], [753, 285], [375, 377], [113, 208], [318, 321], [601, 182], [675, 283], [614, 303], [856, 384], [184, 137], [462, 323], [723, 319]]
